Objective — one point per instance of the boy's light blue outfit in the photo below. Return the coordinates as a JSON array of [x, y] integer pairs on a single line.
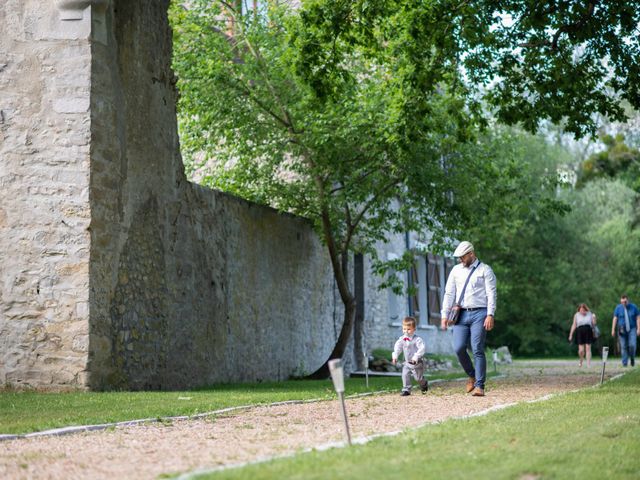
[[413, 348], [627, 324]]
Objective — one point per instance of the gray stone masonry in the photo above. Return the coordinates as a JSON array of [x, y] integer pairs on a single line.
[[45, 133]]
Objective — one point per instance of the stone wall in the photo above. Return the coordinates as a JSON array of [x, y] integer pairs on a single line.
[[45, 69], [188, 286]]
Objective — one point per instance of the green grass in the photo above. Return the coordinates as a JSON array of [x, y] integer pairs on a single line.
[[23, 412], [591, 434]]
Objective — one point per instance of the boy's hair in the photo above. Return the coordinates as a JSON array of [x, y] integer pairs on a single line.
[[409, 321]]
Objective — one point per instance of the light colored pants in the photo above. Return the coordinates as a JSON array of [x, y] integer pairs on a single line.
[[628, 343], [469, 331], [416, 371]]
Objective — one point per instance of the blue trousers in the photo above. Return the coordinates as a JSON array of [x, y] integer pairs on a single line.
[[628, 343], [470, 331]]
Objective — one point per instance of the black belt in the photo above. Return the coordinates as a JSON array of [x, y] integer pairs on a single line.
[[473, 309]]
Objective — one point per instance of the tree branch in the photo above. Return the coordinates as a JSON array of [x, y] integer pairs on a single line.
[[568, 28], [353, 226], [334, 253], [285, 119], [245, 90]]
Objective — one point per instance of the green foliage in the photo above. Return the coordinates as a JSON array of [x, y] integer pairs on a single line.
[[523, 248], [381, 353], [550, 264], [353, 113], [618, 160], [346, 120], [530, 60], [364, 145], [368, 158]]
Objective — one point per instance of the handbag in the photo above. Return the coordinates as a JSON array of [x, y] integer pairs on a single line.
[[454, 315], [596, 331], [454, 312]]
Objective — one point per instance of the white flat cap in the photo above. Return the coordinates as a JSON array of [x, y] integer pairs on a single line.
[[462, 249]]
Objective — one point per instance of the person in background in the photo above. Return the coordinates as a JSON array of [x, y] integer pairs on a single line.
[[413, 348], [477, 307], [583, 323], [625, 324]]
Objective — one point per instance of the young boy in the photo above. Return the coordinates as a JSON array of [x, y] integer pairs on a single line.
[[413, 349]]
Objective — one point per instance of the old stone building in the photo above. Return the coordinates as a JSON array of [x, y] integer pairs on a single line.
[[115, 271]]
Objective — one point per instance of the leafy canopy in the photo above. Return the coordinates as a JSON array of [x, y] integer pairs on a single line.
[[530, 60], [617, 160], [366, 147]]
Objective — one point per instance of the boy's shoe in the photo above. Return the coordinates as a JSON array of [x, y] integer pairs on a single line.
[[405, 393], [424, 387]]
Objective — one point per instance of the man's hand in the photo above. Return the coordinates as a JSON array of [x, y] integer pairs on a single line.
[[394, 361], [488, 323], [443, 323]]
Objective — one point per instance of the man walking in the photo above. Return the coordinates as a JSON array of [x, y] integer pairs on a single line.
[[625, 318], [472, 285]]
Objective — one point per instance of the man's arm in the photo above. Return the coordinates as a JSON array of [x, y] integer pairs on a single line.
[[490, 286], [448, 299], [613, 326]]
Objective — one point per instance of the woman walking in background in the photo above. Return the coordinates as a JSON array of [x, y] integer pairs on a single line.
[[583, 323]]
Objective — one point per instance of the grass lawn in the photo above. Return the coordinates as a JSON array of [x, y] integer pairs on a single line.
[[23, 412], [591, 434]]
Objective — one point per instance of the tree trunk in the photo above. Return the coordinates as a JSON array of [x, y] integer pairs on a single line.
[[340, 270], [339, 257], [341, 343]]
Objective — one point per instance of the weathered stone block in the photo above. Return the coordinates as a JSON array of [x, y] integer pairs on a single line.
[[71, 105]]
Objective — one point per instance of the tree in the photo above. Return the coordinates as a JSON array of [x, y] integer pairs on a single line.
[[548, 264], [380, 154], [618, 160], [530, 60], [526, 252]]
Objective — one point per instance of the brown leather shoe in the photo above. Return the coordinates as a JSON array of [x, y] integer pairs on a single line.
[[478, 392], [471, 382]]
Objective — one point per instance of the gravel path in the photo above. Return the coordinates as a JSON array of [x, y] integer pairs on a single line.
[[146, 451]]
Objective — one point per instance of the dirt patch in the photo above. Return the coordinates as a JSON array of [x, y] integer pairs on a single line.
[[146, 451]]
